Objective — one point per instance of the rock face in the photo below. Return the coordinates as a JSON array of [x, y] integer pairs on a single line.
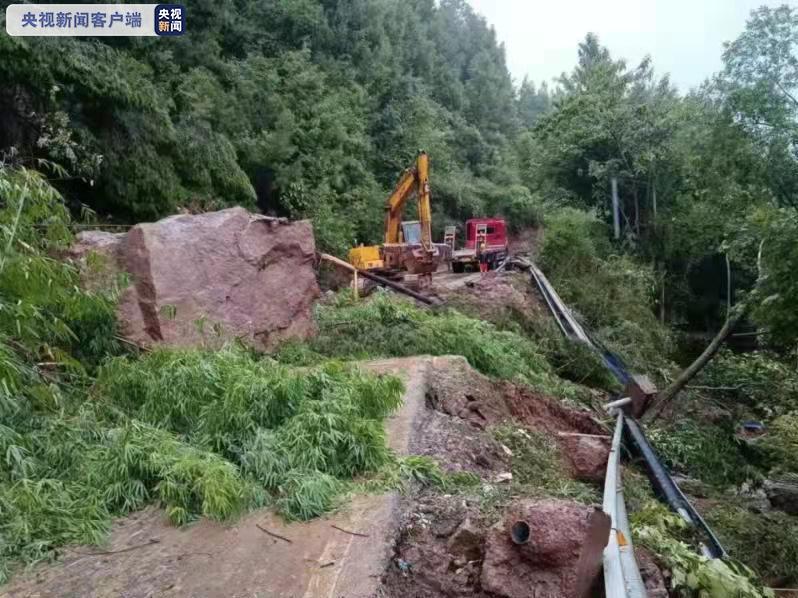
[[204, 279], [545, 567]]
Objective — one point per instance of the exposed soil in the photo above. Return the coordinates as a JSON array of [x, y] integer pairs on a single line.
[[424, 544], [447, 549], [448, 545], [456, 390], [494, 297]]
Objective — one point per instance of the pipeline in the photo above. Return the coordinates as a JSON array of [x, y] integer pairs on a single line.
[[379, 279], [668, 489], [662, 481]]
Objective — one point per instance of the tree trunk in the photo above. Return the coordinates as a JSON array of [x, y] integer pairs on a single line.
[[667, 395]]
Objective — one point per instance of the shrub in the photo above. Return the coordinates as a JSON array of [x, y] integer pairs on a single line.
[[760, 381], [782, 442], [768, 542], [613, 293], [388, 326], [708, 452]]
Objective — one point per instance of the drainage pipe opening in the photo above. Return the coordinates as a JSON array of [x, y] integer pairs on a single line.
[[520, 532]]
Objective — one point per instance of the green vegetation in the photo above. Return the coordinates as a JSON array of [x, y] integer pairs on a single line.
[[87, 435], [666, 534], [782, 442], [201, 433], [612, 292], [709, 452], [308, 108], [311, 108], [763, 384], [767, 543], [388, 326], [538, 468]]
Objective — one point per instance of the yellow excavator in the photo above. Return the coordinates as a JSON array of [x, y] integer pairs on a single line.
[[408, 246]]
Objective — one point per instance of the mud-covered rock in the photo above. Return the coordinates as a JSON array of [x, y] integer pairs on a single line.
[[651, 574], [466, 541], [783, 495], [587, 456], [544, 567]]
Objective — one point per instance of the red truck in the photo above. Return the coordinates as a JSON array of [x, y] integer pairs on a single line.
[[493, 231]]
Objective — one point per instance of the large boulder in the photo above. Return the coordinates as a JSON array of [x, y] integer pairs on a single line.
[[200, 280], [783, 495]]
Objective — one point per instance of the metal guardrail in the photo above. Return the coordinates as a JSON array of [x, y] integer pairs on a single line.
[[621, 572]]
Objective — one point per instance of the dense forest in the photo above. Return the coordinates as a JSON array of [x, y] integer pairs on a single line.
[[311, 109]]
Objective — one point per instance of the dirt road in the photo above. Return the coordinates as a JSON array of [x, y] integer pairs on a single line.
[[147, 557]]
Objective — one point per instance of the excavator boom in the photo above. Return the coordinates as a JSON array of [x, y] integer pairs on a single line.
[[408, 246], [415, 178]]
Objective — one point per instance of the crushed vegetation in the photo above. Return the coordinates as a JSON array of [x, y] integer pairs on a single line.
[[389, 326], [538, 467], [707, 451], [668, 536], [201, 433]]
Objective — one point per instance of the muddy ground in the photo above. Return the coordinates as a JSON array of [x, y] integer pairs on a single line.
[[424, 543], [458, 544]]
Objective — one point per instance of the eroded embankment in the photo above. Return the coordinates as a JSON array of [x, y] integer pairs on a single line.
[[429, 542]]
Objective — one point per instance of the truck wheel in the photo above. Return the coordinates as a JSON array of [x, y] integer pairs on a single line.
[[458, 267]]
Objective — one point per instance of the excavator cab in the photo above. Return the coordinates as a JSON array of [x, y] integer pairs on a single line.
[[411, 232]]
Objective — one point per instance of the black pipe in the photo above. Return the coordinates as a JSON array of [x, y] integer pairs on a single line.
[[397, 287], [668, 489]]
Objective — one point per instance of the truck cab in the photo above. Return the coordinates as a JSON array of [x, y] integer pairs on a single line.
[[493, 231]]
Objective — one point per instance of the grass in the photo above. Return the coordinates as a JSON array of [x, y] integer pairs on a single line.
[[538, 468], [768, 543], [388, 326], [708, 452]]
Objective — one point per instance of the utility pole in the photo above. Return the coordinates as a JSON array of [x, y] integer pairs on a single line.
[[616, 217]]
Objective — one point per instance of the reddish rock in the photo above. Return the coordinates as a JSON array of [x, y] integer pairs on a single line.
[[207, 278], [545, 567], [587, 456]]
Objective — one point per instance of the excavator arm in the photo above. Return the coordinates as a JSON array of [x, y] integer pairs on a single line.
[[415, 178]]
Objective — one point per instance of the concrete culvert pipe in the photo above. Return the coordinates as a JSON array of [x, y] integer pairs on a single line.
[[520, 532]]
